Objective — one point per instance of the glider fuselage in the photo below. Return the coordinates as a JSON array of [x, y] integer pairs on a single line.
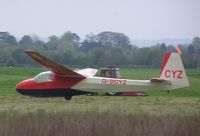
[[67, 86]]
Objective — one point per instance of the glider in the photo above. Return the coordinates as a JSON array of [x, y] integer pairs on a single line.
[[61, 81]]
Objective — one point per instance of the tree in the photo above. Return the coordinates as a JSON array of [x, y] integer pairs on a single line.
[[3, 56], [67, 57], [21, 58], [68, 41], [76, 38], [114, 39], [196, 42], [91, 38], [11, 62], [88, 46], [196, 45], [191, 60], [7, 39], [26, 40], [96, 54], [118, 57], [198, 63], [53, 42], [163, 48], [190, 49], [82, 59]]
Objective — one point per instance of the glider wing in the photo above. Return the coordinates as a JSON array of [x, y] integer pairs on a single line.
[[55, 67]]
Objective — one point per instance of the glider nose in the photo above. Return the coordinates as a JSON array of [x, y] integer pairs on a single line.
[[22, 86]]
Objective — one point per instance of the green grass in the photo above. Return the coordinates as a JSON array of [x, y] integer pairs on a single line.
[[9, 77], [161, 113], [141, 74], [13, 105], [186, 100], [194, 73]]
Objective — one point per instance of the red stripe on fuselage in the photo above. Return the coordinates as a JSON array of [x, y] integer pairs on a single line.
[[58, 82], [165, 60]]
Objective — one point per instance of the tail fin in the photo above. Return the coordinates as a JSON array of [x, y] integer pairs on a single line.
[[172, 70]]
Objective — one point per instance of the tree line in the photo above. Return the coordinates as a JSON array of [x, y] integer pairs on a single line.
[[103, 49]]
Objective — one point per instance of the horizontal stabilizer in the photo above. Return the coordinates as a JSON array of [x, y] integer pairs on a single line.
[[158, 80], [55, 67]]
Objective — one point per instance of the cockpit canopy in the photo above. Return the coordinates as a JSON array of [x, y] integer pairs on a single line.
[[44, 77]]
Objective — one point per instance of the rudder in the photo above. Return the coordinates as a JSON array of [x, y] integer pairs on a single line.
[[172, 69]]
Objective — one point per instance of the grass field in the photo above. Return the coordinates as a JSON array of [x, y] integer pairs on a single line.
[[9, 77], [160, 113]]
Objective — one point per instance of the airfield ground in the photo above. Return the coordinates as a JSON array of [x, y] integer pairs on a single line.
[[160, 113]]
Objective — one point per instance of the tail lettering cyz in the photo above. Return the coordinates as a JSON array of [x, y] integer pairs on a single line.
[[174, 73]]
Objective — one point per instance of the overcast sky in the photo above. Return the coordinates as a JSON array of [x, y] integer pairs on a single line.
[[139, 19]]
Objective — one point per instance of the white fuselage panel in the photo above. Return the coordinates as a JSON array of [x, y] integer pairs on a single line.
[[99, 84]]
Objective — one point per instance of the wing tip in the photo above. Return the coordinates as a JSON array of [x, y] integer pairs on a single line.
[[29, 51], [32, 53]]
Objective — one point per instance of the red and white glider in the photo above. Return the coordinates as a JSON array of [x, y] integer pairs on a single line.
[[64, 82]]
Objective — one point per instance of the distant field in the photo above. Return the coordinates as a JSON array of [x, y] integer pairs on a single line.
[[176, 113]]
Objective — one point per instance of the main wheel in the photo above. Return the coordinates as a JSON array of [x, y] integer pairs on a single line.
[[68, 97]]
